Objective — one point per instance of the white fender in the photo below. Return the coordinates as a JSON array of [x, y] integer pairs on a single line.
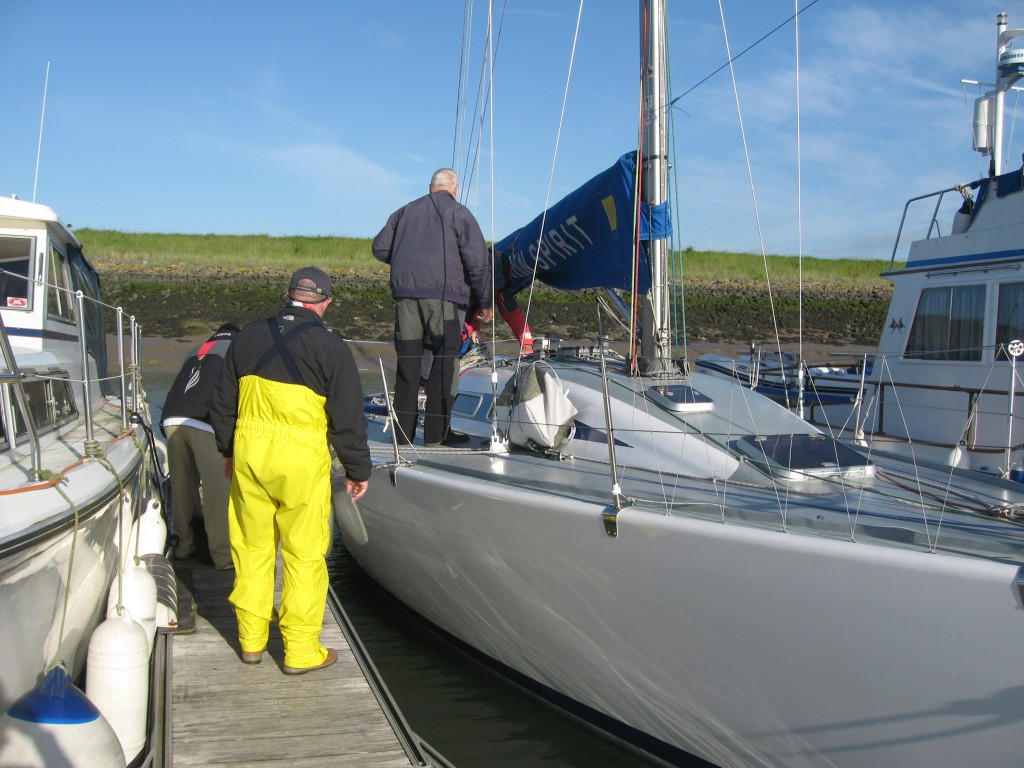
[[135, 589], [118, 680], [56, 724]]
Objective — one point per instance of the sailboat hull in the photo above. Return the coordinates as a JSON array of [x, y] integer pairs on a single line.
[[737, 644], [690, 565]]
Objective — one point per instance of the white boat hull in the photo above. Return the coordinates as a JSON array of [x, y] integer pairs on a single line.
[[694, 569], [72, 464], [48, 619], [744, 645]]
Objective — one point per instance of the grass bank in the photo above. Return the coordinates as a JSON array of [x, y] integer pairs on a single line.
[[349, 253], [226, 251], [182, 285]]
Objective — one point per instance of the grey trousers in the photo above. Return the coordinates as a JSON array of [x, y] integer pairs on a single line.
[[422, 324], [194, 461]]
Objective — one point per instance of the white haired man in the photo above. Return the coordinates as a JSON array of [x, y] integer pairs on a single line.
[[439, 263]]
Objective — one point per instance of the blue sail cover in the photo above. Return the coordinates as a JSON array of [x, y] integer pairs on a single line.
[[588, 236]]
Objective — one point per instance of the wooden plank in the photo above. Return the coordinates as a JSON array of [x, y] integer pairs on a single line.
[[226, 713]]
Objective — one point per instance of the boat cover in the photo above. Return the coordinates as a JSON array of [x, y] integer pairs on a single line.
[[538, 411], [585, 240]]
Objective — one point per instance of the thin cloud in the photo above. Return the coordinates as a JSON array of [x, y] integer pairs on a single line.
[[385, 38], [332, 166]]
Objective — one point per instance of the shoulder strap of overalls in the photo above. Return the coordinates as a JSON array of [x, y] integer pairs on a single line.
[[281, 347]]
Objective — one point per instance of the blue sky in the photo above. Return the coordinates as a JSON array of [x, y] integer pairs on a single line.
[[320, 118]]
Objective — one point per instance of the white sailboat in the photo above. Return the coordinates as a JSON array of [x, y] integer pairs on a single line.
[[687, 565], [74, 465]]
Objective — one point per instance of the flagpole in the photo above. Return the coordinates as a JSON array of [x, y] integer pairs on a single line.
[[42, 117]]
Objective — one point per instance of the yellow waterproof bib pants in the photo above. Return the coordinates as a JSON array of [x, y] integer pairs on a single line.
[[280, 492]]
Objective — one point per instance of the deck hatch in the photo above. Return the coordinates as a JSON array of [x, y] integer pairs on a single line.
[[681, 398], [800, 457]]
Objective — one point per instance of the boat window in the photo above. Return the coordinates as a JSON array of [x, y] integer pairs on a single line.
[[38, 408], [1010, 317], [805, 456], [50, 404], [63, 400], [948, 324], [60, 297], [15, 263], [467, 405], [85, 279]]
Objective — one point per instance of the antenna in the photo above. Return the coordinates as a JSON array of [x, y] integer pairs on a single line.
[[39, 147]]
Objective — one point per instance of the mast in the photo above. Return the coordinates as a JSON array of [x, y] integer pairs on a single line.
[[988, 109], [655, 341]]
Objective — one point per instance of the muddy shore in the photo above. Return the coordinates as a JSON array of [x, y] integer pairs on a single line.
[[171, 302], [177, 304]]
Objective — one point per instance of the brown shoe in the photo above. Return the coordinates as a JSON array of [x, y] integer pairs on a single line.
[[253, 657], [332, 656]]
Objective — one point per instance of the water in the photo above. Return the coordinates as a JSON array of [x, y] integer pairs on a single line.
[[469, 714]]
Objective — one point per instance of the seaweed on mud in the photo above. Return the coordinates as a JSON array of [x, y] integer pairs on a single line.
[[190, 301]]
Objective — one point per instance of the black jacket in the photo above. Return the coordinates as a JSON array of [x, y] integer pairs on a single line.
[[323, 362], [191, 394], [436, 251]]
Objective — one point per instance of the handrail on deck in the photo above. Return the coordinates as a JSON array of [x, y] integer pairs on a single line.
[[973, 395], [20, 396], [130, 384], [933, 224], [91, 446]]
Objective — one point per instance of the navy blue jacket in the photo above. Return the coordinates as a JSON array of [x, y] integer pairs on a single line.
[[436, 251]]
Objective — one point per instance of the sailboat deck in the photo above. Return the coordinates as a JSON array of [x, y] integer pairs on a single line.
[[226, 713], [818, 507]]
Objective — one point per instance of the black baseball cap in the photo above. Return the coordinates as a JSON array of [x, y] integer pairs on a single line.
[[312, 279]]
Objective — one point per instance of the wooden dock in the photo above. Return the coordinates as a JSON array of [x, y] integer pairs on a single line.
[[226, 713]]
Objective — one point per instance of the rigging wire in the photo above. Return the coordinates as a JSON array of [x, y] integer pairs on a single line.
[[460, 113], [757, 215], [750, 178], [676, 264], [634, 275], [468, 171], [799, 229], [486, 99], [554, 159], [737, 56], [490, 120]]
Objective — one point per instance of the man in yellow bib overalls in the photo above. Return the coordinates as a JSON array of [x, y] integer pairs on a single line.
[[289, 389]]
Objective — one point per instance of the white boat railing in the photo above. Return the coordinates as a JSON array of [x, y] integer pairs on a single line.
[[132, 375], [14, 378], [934, 228], [91, 446], [128, 379], [973, 395]]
